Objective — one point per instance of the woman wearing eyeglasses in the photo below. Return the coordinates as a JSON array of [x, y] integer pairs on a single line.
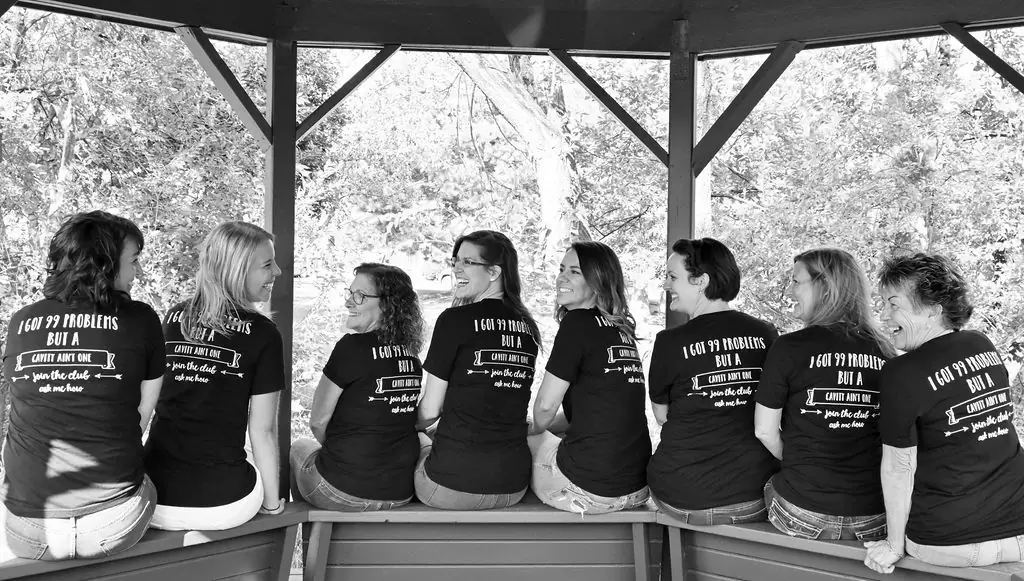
[[479, 370], [364, 409]]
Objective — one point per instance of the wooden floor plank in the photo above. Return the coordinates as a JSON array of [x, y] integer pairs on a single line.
[[504, 552]]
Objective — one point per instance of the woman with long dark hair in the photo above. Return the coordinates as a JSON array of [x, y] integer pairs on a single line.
[[85, 365], [820, 386], [594, 373], [479, 369], [224, 375], [363, 415]]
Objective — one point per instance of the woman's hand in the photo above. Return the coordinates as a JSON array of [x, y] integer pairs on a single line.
[[881, 556]]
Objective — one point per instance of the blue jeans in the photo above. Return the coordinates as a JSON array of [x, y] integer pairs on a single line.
[[800, 522], [309, 484], [435, 495], [554, 488], [99, 534], [731, 514], [1008, 550]]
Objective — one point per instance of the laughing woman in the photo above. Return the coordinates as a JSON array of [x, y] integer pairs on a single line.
[[952, 465], [364, 409], [594, 372], [479, 370], [820, 385], [225, 370]]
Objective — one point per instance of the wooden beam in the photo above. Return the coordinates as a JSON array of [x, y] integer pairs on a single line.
[[1001, 67], [279, 217], [202, 50], [681, 182], [350, 85], [744, 102], [5, 5], [598, 92]]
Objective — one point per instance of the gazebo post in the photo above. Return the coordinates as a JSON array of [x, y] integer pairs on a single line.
[[279, 217], [681, 179]]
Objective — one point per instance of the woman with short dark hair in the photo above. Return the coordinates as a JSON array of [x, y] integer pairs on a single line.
[[85, 366], [479, 369], [595, 373], [952, 464], [363, 415], [709, 469], [819, 386]]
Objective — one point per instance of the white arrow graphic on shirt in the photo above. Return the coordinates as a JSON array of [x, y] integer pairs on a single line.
[[17, 378], [471, 372], [803, 411], [115, 376], [700, 393], [611, 369], [963, 429], [371, 398], [239, 375]]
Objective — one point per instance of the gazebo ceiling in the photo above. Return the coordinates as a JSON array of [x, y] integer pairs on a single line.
[[637, 27]]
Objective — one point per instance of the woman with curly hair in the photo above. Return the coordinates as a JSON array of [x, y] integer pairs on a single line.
[[225, 371], [594, 374], [952, 465], [85, 365], [364, 409]]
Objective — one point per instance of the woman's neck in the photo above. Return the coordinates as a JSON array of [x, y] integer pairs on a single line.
[[715, 306]]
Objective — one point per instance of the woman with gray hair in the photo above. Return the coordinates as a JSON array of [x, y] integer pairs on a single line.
[[952, 465]]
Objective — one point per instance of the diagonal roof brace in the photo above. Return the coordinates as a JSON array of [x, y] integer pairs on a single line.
[[314, 119], [1001, 67], [210, 61], [5, 5], [595, 89]]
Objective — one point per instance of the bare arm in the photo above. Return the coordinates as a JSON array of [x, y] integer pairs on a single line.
[[898, 468], [660, 412], [150, 395], [767, 426], [263, 434], [429, 411], [549, 398], [325, 399]]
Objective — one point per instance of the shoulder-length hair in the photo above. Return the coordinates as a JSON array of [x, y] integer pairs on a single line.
[[603, 273], [401, 320], [842, 295], [84, 259], [225, 257], [497, 250]]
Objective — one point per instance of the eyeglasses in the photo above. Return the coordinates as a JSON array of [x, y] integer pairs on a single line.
[[359, 297], [465, 262]]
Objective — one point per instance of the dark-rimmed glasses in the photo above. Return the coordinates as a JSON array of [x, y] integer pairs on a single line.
[[465, 262], [359, 297]]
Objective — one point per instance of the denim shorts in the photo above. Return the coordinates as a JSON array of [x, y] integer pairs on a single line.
[[99, 534], [800, 522], [316, 490], [436, 495], [734, 514], [1008, 550], [554, 488]]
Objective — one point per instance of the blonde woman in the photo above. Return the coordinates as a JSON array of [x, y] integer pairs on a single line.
[[224, 372]]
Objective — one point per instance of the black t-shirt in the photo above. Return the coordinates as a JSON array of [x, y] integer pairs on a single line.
[[196, 449], [74, 446], [486, 353], [706, 371], [951, 398], [826, 382], [606, 449], [371, 446]]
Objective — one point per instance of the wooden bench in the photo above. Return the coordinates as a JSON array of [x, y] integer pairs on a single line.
[[760, 552], [260, 550], [526, 541]]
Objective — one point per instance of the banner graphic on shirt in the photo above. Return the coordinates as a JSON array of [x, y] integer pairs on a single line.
[[837, 396], [396, 383], [623, 353], [726, 377], [502, 357], [979, 405], [65, 358], [212, 353]]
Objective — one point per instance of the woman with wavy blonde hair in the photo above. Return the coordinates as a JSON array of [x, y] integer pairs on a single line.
[[225, 371], [594, 373]]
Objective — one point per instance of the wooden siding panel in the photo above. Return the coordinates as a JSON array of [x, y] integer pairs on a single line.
[[484, 552], [205, 568], [511, 573], [475, 531], [738, 566]]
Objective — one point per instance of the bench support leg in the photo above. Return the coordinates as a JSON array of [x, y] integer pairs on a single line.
[[315, 567], [675, 547], [286, 546], [641, 550]]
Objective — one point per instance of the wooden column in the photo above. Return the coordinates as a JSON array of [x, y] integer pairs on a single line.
[[681, 182], [279, 195]]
